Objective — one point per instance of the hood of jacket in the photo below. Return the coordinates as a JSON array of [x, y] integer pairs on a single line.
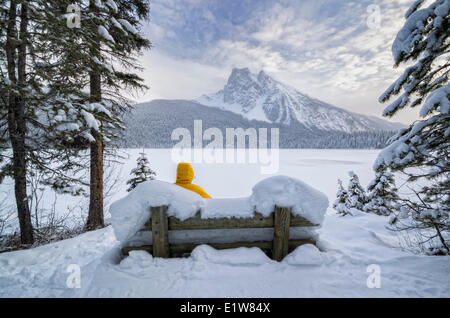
[[185, 173]]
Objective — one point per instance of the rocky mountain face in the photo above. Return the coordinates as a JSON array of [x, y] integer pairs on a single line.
[[252, 101], [260, 97]]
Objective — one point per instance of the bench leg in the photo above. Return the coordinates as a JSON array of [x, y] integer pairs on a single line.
[[160, 232], [281, 233]]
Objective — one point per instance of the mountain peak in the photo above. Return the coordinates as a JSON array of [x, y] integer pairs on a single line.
[[259, 96], [244, 74], [240, 75], [242, 88], [236, 70]]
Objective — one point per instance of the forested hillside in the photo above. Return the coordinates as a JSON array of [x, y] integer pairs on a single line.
[[150, 125]]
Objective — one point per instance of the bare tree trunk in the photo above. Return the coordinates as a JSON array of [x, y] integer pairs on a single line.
[[95, 218], [16, 118]]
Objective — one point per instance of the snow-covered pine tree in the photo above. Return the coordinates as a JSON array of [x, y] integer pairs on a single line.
[[47, 117], [101, 57], [382, 193], [423, 43], [141, 173], [27, 121], [14, 72], [355, 192], [340, 204], [113, 51]]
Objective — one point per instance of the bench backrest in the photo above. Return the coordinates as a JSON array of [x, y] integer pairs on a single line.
[[280, 220]]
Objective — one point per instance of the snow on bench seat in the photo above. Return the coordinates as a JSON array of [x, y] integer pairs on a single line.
[[292, 193], [130, 213]]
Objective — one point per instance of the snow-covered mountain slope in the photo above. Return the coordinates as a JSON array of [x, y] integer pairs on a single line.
[[263, 98]]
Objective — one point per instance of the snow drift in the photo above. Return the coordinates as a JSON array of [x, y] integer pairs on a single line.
[[292, 193]]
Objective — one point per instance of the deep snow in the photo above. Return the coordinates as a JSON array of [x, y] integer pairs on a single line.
[[348, 245]]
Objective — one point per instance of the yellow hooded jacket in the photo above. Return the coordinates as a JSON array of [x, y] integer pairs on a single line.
[[185, 175]]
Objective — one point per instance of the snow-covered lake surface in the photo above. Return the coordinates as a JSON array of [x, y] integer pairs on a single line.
[[351, 249]]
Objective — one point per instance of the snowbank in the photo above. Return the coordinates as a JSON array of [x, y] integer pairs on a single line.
[[305, 255], [242, 256], [129, 214]]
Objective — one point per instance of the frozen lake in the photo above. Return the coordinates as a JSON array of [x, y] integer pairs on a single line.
[[317, 167]]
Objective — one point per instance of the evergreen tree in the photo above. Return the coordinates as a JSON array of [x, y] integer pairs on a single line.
[[340, 205], [116, 40], [141, 173], [382, 193], [423, 43], [28, 117], [14, 112], [100, 58], [355, 192], [47, 114]]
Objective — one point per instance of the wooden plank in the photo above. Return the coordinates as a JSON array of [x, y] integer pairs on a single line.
[[258, 221], [160, 233], [187, 248], [281, 233]]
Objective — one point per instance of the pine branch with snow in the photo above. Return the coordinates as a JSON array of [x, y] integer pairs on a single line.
[[382, 194], [421, 151]]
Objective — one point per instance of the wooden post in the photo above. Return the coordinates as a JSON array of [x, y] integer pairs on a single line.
[[281, 233], [160, 232]]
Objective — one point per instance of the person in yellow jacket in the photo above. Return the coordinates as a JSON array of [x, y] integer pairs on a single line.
[[185, 175]]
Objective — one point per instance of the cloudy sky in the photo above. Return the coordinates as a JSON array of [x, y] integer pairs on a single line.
[[335, 50]]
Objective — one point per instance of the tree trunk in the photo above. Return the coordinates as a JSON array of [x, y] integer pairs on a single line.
[[95, 218], [16, 118]]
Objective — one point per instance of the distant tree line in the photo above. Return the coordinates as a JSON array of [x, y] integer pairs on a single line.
[[151, 125]]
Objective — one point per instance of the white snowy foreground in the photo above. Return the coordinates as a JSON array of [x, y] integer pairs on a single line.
[[349, 245], [350, 250]]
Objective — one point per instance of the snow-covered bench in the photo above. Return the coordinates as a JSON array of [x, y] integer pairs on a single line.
[[166, 220]]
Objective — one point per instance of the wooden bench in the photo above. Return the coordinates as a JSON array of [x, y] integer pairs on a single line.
[[280, 220]]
